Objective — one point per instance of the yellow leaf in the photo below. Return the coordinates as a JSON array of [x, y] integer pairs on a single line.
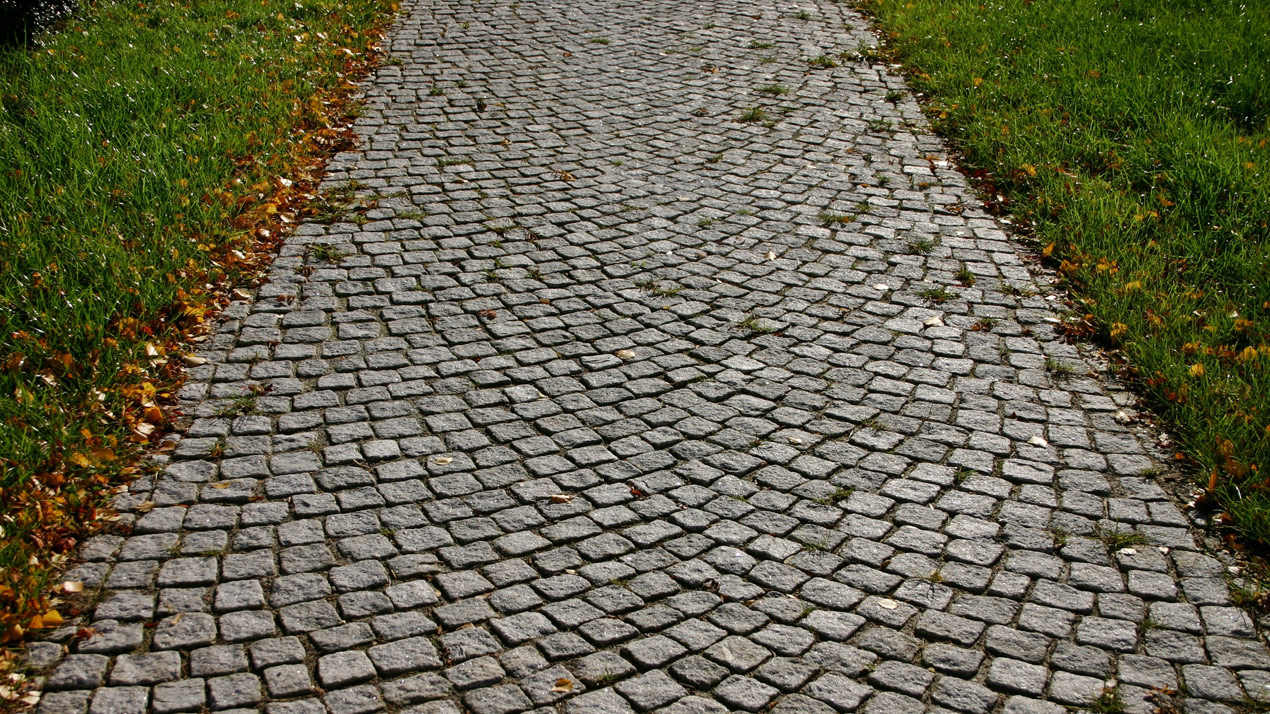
[[563, 685], [1197, 370], [978, 81]]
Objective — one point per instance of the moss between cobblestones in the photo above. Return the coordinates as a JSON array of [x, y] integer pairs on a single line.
[[1134, 141], [144, 148]]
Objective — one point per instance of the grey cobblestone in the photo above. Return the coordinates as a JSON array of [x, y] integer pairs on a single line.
[[614, 402]]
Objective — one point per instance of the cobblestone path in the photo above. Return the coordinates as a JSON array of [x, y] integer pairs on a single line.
[[617, 401]]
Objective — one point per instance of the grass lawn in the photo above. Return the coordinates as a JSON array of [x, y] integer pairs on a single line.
[[145, 152], [1134, 139]]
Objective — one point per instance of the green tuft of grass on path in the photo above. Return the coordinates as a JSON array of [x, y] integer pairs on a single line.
[[1134, 139], [138, 145]]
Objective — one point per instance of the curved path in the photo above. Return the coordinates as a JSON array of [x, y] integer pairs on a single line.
[[670, 372]]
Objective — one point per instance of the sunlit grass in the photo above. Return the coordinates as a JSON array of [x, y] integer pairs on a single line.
[[1134, 140]]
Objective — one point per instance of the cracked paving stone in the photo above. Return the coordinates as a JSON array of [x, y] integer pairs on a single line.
[[651, 690], [745, 694]]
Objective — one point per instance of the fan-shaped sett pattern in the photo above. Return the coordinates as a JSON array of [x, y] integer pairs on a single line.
[[617, 402]]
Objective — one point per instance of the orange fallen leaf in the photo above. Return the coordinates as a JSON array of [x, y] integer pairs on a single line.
[[563, 685]]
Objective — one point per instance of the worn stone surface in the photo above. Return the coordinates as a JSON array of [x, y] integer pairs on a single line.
[[614, 402]]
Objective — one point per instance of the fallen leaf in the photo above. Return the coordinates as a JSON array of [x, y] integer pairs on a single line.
[[442, 460], [935, 321], [561, 498], [888, 604], [73, 586], [193, 360], [626, 354], [881, 286], [563, 685], [1038, 441], [222, 484], [771, 255], [145, 506]]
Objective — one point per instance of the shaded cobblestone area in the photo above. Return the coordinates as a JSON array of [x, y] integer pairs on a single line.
[[616, 402]]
